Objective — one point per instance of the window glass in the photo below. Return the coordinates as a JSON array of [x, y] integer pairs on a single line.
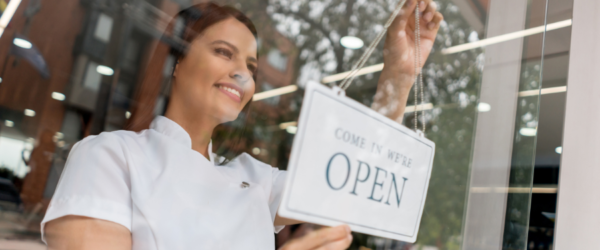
[[76, 69], [277, 60], [103, 28], [92, 77]]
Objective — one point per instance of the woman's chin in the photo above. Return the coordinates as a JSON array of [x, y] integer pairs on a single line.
[[229, 117], [226, 113]]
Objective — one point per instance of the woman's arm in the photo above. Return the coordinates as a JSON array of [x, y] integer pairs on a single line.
[[85, 233], [333, 238], [95, 185], [398, 73]]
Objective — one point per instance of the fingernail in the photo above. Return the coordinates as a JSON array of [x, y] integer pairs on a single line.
[[422, 5], [431, 26], [428, 16], [348, 229], [350, 237], [433, 5]]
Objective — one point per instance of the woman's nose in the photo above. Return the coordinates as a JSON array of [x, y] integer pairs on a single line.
[[240, 74], [239, 77]]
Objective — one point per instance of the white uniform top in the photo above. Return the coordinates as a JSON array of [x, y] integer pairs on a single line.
[[168, 195]]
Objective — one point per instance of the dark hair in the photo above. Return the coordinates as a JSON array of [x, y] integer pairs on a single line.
[[194, 20], [199, 17]]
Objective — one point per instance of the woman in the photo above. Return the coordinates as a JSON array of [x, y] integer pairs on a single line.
[[161, 188]]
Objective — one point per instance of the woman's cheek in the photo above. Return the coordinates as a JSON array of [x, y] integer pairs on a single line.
[[249, 93]]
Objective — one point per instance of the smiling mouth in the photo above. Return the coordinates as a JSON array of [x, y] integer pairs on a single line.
[[233, 93]]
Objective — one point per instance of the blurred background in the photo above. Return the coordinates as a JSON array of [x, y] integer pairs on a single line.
[[74, 68]]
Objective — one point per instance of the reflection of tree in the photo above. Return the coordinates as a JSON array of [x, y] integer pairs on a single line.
[[452, 85], [317, 26]]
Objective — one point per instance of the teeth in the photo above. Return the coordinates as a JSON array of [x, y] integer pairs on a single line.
[[230, 90]]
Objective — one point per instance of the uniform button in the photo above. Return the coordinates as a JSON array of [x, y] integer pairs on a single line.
[[245, 185]]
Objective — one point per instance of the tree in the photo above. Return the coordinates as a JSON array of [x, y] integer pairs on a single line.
[[318, 26]]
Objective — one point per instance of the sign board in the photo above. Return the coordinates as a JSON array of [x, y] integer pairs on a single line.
[[351, 165]]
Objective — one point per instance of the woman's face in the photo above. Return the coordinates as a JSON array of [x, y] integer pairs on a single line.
[[216, 75]]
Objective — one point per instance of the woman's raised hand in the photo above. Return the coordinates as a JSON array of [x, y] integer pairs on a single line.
[[330, 238], [400, 42], [398, 74]]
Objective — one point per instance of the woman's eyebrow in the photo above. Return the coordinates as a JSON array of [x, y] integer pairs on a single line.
[[235, 49]]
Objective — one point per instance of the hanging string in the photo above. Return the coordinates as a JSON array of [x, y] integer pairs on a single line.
[[419, 76], [363, 59], [418, 71]]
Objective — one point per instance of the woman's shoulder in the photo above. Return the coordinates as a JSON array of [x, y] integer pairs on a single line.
[[114, 139], [102, 156], [115, 144], [248, 161]]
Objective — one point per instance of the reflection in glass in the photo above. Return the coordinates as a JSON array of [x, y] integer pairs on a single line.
[[110, 67]]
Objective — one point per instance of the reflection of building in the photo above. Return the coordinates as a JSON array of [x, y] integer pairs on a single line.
[[24, 89], [94, 55], [276, 67], [107, 72], [276, 70]]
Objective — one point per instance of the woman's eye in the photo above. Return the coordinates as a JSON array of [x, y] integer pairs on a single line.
[[252, 69], [224, 52]]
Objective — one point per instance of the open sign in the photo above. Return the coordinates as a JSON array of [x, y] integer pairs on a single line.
[[376, 182], [351, 165]]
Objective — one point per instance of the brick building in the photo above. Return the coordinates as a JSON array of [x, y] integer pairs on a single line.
[[108, 71]]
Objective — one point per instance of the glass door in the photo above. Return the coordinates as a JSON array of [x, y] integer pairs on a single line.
[[79, 68]]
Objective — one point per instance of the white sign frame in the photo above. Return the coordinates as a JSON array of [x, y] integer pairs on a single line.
[[408, 222]]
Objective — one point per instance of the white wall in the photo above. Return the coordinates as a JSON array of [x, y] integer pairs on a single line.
[[578, 208]]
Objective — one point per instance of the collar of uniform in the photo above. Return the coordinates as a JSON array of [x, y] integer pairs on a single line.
[[174, 131]]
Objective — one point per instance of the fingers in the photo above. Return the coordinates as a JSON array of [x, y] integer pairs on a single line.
[[429, 15], [325, 236], [337, 245], [429, 12], [405, 13], [423, 5], [435, 22], [399, 24]]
